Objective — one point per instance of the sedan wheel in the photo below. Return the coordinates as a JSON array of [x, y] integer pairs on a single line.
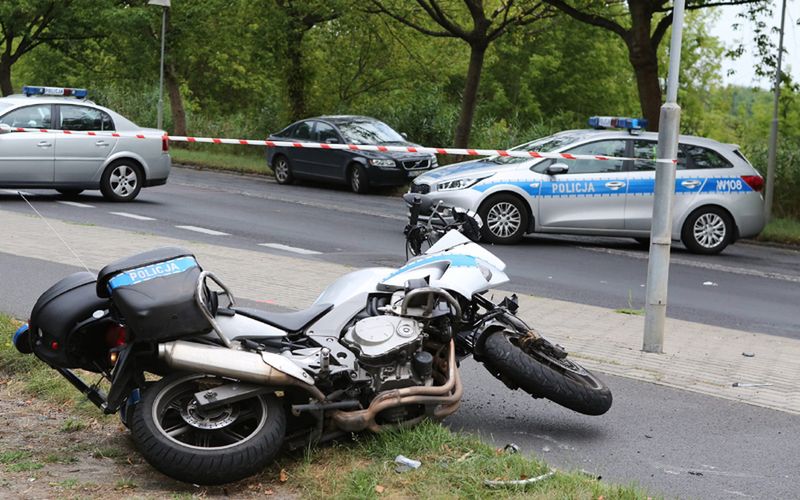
[[283, 171], [358, 179], [121, 181], [505, 219], [707, 231]]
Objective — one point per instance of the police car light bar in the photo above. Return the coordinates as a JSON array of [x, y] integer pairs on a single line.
[[617, 122], [30, 90]]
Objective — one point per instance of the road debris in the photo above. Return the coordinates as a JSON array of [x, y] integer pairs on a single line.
[[749, 354], [750, 384], [519, 482], [695, 473], [592, 475], [405, 464], [511, 448], [709, 283]]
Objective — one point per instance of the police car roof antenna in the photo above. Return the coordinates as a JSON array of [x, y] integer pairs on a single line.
[[54, 231]]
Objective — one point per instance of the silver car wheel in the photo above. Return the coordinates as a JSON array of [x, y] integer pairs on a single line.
[[503, 219], [355, 179], [123, 180], [281, 170], [709, 230]]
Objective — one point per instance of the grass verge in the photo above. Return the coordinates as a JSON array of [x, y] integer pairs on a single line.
[[783, 230], [249, 162], [453, 464]]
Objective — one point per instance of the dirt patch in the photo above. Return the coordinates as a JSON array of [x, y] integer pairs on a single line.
[[48, 452]]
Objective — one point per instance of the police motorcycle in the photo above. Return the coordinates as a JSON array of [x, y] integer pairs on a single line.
[[212, 391]]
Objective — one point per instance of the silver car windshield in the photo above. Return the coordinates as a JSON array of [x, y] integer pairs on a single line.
[[543, 145], [369, 132]]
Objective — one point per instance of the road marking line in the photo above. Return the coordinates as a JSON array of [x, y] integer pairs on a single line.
[[76, 204], [287, 248], [14, 191], [203, 230], [132, 216]]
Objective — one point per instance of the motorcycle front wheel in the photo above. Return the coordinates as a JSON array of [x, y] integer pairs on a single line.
[[545, 376], [206, 446]]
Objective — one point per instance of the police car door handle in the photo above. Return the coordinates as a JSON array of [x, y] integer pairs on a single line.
[[45, 144], [614, 185], [690, 184], [101, 144]]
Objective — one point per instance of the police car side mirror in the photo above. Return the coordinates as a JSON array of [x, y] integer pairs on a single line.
[[556, 169], [404, 135], [5, 128]]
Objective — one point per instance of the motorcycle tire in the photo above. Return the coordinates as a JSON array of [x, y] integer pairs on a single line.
[[562, 381], [207, 447]]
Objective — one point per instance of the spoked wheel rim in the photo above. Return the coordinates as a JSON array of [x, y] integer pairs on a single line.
[[355, 179], [179, 417], [123, 180], [503, 219], [709, 230], [281, 170]]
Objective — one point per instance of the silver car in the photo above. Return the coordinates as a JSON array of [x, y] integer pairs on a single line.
[[70, 163], [717, 192]]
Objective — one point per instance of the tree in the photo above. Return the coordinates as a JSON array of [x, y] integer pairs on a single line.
[[479, 32], [26, 24], [641, 37]]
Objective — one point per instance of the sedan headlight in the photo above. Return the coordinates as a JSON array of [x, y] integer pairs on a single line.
[[458, 183], [381, 162], [434, 161]]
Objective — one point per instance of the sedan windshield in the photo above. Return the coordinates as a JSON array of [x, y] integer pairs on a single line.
[[543, 145], [369, 132]]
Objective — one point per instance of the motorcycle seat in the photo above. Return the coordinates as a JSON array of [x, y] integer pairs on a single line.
[[288, 321]]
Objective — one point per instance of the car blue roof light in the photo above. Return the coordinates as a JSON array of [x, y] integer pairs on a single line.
[[30, 90], [617, 122]]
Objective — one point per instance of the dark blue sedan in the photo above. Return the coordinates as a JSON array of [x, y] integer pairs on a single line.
[[359, 169]]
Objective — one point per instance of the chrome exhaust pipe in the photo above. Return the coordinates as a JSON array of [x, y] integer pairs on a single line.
[[223, 362]]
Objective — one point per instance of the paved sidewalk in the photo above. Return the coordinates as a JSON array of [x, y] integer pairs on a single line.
[[699, 358]]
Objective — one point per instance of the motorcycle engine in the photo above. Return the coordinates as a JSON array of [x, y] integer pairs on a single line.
[[389, 350]]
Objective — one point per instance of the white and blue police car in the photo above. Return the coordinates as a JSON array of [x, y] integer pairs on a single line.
[[717, 191]]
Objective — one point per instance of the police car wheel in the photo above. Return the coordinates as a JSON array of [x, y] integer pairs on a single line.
[[707, 230], [282, 169], [504, 219], [121, 181]]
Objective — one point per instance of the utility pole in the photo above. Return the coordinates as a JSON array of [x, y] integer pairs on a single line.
[[661, 230], [773, 130], [165, 4]]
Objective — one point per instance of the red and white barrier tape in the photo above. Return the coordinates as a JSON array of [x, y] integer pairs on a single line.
[[350, 147]]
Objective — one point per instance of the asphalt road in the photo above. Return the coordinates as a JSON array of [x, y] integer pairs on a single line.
[[748, 287], [672, 443]]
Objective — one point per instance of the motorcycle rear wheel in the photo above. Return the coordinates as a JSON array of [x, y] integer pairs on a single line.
[[199, 446], [559, 380]]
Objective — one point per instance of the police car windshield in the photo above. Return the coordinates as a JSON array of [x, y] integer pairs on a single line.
[[368, 132], [543, 145]]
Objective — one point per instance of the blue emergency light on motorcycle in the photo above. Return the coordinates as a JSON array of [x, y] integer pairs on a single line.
[[30, 90], [617, 122]]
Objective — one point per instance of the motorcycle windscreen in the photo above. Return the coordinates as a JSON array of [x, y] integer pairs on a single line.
[[461, 273], [455, 242]]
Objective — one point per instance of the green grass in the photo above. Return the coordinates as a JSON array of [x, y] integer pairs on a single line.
[[454, 465], [782, 231], [250, 162], [19, 461]]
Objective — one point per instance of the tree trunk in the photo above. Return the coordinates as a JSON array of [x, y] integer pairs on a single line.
[[295, 73], [470, 98], [5, 77], [644, 59], [177, 110]]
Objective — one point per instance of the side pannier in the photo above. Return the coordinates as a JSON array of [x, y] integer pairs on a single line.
[[154, 291]]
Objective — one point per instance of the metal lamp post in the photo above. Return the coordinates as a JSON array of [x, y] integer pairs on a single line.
[[661, 232], [773, 129], [165, 4]]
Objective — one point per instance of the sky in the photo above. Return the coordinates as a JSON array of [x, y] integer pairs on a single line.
[[744, 74]]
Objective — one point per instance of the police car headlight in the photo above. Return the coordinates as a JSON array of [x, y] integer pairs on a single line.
[[382, 163], [458, 184]]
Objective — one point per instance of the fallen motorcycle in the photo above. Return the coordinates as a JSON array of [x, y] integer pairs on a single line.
[[212, 391]]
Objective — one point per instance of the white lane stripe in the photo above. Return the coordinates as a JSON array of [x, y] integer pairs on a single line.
[[131, 216], [14, 191], [203, 230], [76, 204], [287, 248]]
